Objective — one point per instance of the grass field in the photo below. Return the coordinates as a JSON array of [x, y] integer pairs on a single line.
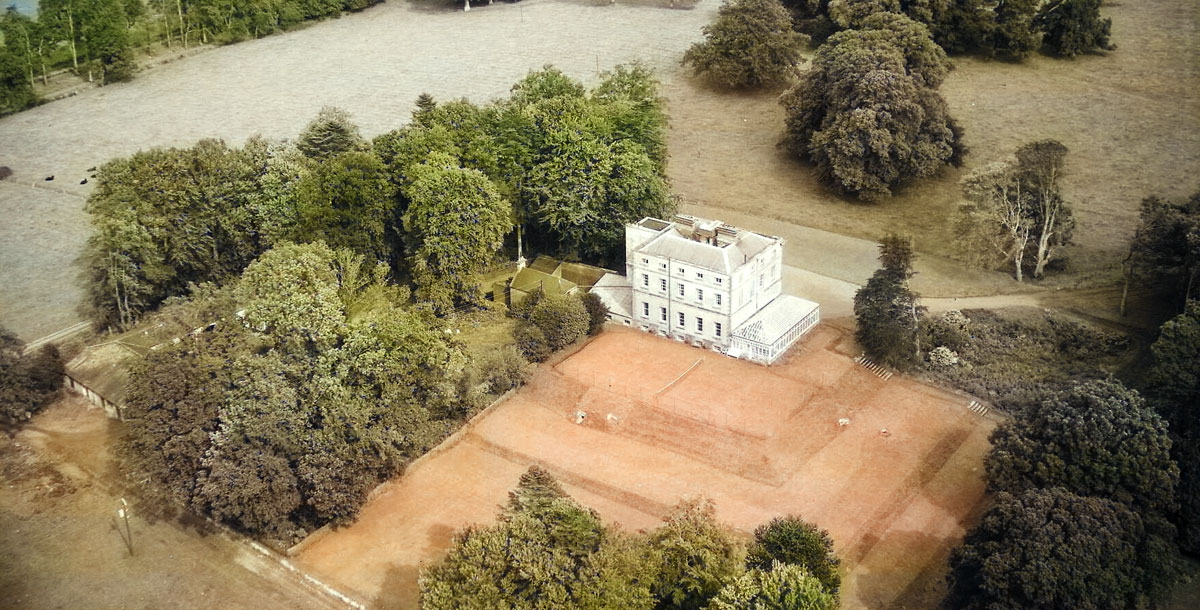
[[1131, 119], [759, 441]]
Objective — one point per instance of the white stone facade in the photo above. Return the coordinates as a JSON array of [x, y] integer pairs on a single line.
[[702, 282]]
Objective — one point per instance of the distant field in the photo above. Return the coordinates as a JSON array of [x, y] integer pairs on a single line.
[[1131, 119], [760, 441]]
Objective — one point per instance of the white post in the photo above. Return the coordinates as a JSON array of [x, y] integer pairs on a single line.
[[466, 5]]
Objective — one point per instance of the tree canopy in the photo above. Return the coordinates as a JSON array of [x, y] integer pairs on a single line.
[[1096, 439], [1073, 27], [1050, 548], [867, 114], [318, 387], [792, 541], [546, 552], [885, 308], [784, 587], [28, 383], [1166, 246], [695, 557], [750, 44]]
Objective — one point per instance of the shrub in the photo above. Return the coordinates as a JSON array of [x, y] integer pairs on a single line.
[[28, 383], [597, 313], [793, 541], [563, 319], [750, 44]]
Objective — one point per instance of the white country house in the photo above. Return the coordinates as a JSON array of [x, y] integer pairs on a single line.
[[708, 284]]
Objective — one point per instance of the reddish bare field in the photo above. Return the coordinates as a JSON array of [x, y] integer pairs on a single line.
[[760, 441]]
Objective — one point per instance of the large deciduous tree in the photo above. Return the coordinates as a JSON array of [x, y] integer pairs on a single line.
[[454, 226], [547, 552], [750, 44], [1096, 439], [1050, 549], [784, 587], [791, 540], [1166, 245], [286, 415], [1014, 211], [347, 200], [886, 310], [695, 557], [166, 218], [28, 382], [1073, 27], [867, 115]]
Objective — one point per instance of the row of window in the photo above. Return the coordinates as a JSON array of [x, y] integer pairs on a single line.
[[681, 272], [682, 320], [662, 286]]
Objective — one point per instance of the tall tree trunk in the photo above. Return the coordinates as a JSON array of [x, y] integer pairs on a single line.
[[182, 31], [74, 51]]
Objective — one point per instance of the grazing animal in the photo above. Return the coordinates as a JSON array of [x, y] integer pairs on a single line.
[[91, 169], [84, 181], [49, 178]]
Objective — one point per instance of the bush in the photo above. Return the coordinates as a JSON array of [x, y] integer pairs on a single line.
[[531, 342], [28, 383], [563, 320], [597, 313], [505, 369]]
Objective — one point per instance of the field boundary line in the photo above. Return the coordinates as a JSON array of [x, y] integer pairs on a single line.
[[695, 364]]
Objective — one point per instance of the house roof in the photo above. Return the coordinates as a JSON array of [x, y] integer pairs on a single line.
[[775, 319], [528, 280], [704, 243], [616, 294]]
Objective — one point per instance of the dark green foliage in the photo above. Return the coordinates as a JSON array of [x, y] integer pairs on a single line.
[[597, 313], [750, 44], [1093, 439], [330, 134], [1051, 549], [851, 14], [286, 415], [1166, 247], [886, 311], [28, 382], [1013, 35], [504, 369], [167, 218], [104, 30], [19, 60], [347, 200], [1073, 27], [786, 587], [695, 557], [1172, 385], [547, 552], [866, 114], [562, 320], [1010, 355], [454, 225], [793, 541], [532, 342], [1186, 452]]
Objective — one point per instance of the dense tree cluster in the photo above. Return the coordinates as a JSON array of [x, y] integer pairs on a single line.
[[1014, 211], [28, 382], [1172, 387], [314, 385], [1050, 548], [1165, 250], [867, 114], [574, 165], [97, 38], [1086, 486], [885, 309], [549, 552], [550, 322], [436, 200], [1008, 29], [750, 44]]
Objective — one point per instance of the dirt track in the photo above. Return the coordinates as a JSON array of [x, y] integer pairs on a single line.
[[760, 441]]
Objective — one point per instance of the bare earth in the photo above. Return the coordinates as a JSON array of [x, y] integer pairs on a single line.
[[760, 441], [61, 546]]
